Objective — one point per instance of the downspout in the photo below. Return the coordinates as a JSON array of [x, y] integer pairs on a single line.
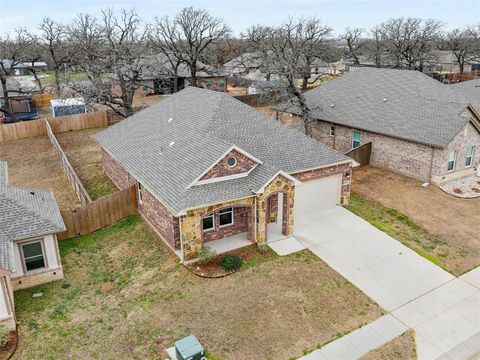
[[182, 258], [431, 165], [255, 221]]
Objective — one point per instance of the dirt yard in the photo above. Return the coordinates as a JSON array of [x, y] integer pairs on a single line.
[[455, 220], [126, 296], [86, 158], [33, 163], [403, 347]]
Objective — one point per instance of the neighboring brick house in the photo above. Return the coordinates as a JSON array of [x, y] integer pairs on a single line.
[[208, 167], [418, 126], [29, 255], [161, 75]]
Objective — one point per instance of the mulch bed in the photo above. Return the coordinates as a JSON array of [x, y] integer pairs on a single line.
[[7, 351], [213, 269]]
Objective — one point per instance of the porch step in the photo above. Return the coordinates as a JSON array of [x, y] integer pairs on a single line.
[[286, 246]]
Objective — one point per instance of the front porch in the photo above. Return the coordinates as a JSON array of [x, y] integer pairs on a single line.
[[229, 243]]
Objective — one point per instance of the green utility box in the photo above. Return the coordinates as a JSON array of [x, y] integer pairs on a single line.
[[189, 348]]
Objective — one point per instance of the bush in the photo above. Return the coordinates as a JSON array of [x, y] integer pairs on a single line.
[[4, 336], [206, 254], [263, 248], [231, 262]]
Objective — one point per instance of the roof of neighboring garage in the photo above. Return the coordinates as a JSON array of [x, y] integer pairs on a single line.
[[169, 145], [404, 104], [470, 89]]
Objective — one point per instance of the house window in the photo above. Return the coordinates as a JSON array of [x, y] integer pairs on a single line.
[[139, 193], [209, 84], [356, 139], [469, 158], [452, 159], [226, 217], [208, 223], [332, 130], [33, 256], [231, 161]]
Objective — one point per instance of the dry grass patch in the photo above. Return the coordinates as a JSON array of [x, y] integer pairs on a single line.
[[33, 163], [403, 347], [86, 158], [126, 295], [450, 222]]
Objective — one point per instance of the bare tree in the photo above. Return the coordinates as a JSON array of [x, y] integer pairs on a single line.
[[188, 38], [53, 39], [286, 50], [355, 43], [462, 42], [110, 53], [376, 46], [12, 54]]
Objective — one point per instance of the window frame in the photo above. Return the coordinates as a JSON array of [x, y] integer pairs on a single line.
[[226, 211], [22, 255], [455, 155], [467, 157], [213, 223], [359, 140], [234, 158], [332, 130]]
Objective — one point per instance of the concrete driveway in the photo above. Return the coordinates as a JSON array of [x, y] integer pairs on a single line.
[[443, 310], [387, 271]]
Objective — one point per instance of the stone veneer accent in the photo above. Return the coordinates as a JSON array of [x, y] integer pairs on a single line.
[[285, 186], [37, 278], [191, 225], [221, 169]]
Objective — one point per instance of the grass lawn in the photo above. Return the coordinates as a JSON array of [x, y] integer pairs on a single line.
[[32, 163], [86, 158], [402, 228], [403, 347], [437, 225], [126, 296]]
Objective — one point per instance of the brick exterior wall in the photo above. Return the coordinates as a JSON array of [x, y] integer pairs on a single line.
[[120, 177], [272, 209], [221, 169], [243, 223], [159, 217], [401, 156], [162, 220]]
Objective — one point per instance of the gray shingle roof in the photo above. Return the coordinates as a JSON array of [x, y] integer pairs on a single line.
[[205, 125], [399, 103], [470, 90], [26, 213]]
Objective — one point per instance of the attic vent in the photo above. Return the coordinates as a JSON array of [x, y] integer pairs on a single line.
[[332, 106], [358, 96], [170, 120], [161, 150], [385, 99], [171, 144]]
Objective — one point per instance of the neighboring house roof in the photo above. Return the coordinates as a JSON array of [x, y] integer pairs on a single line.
[[158, 66], [245, 61], [404, 104], [67, 102], [168, 156], [470, 89], [19, 65]]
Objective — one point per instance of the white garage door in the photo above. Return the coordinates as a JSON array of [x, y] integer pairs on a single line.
[[316, 195]]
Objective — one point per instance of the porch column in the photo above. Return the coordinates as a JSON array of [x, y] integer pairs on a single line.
[[192, 235]]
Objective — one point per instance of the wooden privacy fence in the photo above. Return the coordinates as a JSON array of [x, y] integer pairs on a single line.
[[99, 213], [67, 167], [361, 154], [34, 128]]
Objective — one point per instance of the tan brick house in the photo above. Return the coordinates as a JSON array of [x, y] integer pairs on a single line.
[[212, 170], [29, 255], [418, 126]]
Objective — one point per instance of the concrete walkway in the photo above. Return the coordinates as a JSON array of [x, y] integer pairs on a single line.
[[444, 311], [286, 246]]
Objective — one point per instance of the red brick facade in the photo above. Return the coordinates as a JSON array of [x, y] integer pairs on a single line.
[[243, 222], [221, 169], [344, 169], [161, 219]]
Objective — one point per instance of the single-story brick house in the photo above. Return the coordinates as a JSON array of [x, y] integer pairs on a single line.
[[208, 167], [418, 126], [29, 255]]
